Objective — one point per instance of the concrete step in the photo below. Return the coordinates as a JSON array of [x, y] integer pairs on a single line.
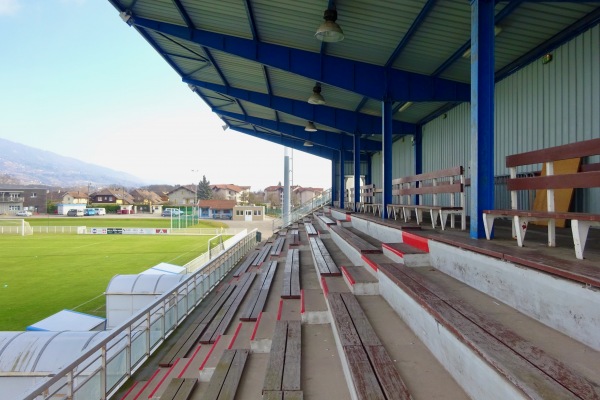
[[406, 254]]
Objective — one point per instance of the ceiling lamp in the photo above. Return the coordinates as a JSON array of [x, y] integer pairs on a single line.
[[308, 143], [310, 127], [315, 97], [329, 31], [405, 106]]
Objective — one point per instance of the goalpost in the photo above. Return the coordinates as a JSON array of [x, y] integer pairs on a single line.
[[15, 226]]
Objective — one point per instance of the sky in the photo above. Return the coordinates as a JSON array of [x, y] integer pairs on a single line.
[[78, 81]]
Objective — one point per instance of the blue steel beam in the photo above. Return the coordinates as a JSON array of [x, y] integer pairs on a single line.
[[184, 14], [411, 31], [365, 79], [343, 120], [506, 11], [322, 138], [287, 142]]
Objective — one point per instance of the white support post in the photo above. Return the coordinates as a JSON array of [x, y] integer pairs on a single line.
[[551, 207]]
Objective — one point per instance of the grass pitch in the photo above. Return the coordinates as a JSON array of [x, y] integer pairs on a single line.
[[43, 274]]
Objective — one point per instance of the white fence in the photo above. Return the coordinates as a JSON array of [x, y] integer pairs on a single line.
[[104, 368]]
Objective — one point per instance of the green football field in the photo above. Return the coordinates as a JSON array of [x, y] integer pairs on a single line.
[[43, 274]]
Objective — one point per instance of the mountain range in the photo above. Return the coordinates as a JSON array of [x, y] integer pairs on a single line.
[[27, 165]]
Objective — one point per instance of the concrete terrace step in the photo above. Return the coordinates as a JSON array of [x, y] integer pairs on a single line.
[[483, 335], [359, 280], [406, 254]]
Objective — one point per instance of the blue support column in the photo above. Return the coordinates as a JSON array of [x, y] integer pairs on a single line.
[[482, 112], [334, 190], [342, 177], [386, 159], [418, 149], [356, 169], [369, 172]]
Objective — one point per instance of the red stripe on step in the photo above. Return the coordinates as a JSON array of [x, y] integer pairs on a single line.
[[256, 326], [413, 240], [163, 379], [280, 309], [324, 285], [146, 385], [235, 335], [348, 276], [370, 263], [209, 353], [130, 390], [189, 361]]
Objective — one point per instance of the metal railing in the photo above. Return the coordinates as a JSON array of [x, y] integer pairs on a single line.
[[304, 209], [100, 371]]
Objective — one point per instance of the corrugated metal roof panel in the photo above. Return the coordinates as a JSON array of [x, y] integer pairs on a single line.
[[241, 73], [257, 111], [162, 10], [223, 16], [288, 22], [444, 30]]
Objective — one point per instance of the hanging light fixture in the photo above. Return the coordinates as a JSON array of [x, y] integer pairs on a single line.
[[329, 31], [405, 106], [310, 127], [316, 97], [308, 143]]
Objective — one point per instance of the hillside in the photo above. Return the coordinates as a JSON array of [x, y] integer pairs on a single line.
[[28, 165]]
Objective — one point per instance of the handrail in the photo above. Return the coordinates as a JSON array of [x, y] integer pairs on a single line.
[[142, 323], [304, 209]]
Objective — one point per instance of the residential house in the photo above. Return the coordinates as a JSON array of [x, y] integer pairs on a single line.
[[307, 194], [14, 198], [11, 201], [220, 209], [274, 194], [75, 198], [183, 196], [230, 191], [111, 196], [145, 197]]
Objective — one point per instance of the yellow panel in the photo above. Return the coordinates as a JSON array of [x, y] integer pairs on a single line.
[[562, 197]]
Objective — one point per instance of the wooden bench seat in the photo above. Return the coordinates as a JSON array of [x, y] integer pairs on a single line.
[[179, 389], [373, 372], [226, 378], [190, 337], [355, 241], [557, 189], [277, 247], [291, 275], [283, 372], [263, 253], [322, 259], [294, 238], [528, 367], [225, 314], [280, 395], [310, 229], [367, 202], [258, 297], [449, 183], [245, 264], [326, 220]]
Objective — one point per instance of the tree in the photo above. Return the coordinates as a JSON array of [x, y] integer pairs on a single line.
[[204, 191]]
